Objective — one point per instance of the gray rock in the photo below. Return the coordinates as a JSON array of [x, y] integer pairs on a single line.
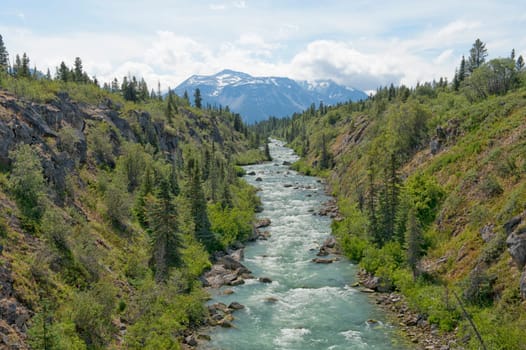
[[236, 306], [265, 280], [512, 223], [522, 285], [516, 243], [262, 223], [487, 232]]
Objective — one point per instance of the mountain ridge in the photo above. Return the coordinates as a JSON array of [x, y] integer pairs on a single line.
[[249, 95]]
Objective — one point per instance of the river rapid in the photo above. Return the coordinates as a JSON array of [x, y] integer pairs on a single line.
[[307, 305]]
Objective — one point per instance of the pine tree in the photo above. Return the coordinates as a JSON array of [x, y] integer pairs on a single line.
[[159, 94], [197, 98], [185, 96], [477, 55], [4, 56]]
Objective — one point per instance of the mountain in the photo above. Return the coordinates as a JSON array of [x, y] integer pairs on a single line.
[[257, 98]]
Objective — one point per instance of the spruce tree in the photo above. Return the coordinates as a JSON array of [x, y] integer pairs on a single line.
[[197, 98], [166, 239], [4, 56], [477, 55], [196, 196], [25, 71], [77, 70], [520, 63]]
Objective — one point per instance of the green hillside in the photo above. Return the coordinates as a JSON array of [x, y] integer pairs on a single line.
[[112, 202], [431, 183]]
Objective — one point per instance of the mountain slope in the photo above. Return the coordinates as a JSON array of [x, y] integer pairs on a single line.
[[257, 98], [431, 183], [100, 200]]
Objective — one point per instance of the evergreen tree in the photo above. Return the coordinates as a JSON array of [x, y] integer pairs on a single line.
[[159, 94], [199, 214], [197, 98], [462, 70], [171, 107], [512, 55], [4, 56], [520, 63], [25, 71], [477, 55], [48, 74], [17, 66], [63, 72], [185, 96], [115, 85], [77, 71], [166, 239]]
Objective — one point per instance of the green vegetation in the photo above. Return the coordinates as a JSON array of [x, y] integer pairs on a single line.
[[420, 173], [110, 216]]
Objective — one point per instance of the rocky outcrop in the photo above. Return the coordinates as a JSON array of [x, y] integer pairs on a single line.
[[331, 210], [516, 230], [227, 270], [14, 316], [329, 246]]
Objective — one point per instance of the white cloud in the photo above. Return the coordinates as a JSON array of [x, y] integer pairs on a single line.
[[217, 7], [240, 4]]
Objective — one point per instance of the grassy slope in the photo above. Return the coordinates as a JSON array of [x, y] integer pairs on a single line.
[[482, 171], [96, 280]]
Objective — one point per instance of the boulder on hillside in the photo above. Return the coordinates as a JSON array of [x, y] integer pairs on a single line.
[[516, 241]]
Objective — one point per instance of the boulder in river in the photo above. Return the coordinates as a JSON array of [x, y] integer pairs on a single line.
[[262, 223], [236, 306], [258, 179], [251, 173], [324, 261], [265, 280]]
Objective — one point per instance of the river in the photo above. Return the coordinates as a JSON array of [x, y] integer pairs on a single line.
[[307, 305]]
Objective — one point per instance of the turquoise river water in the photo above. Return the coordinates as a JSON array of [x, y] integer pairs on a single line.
[[313, 305]]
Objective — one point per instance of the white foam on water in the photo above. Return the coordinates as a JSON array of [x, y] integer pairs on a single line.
[[289, 336], [354, 338]]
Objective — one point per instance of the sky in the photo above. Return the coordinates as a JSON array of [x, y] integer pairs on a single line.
[[358, 43]]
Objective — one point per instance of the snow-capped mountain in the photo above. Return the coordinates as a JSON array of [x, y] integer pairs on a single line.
[[257, 98]]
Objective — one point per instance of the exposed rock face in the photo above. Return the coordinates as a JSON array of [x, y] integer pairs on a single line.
[[516, 241], [14, 316]]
